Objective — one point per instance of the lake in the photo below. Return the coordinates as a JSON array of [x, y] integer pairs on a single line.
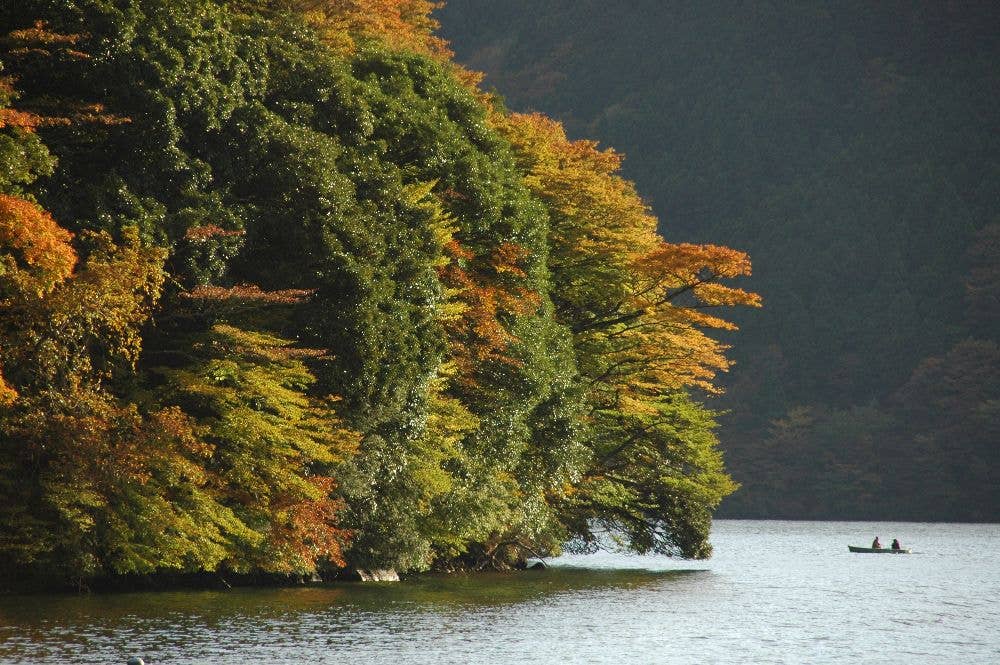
[[774, 592]]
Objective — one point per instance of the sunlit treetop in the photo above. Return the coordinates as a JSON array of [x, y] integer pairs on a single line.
[[636, 302], [403, 24]]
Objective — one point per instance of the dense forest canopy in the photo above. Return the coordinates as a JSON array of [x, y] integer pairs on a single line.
[[282, 291], [853, 148]]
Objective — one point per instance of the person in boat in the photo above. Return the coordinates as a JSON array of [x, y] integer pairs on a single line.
[[876, 545], [896, 545]]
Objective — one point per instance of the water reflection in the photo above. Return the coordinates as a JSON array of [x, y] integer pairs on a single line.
[[275, 623], [432, 592], [774, 592]]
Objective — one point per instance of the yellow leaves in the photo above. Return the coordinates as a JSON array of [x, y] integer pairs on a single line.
[[718, 295], [252, 390], [593, 209], [64, 329], [635, 303], [112, 296], [441, 225], [7, 394], [448, 420], [541, 142]]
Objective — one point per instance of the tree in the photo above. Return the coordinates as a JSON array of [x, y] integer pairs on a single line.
[[273, 441], [636, 306], [35, 256], [90, 485], [402, 24], [277, 203]]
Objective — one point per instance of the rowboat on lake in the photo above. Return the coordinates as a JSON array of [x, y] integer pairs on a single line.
[[880, 550]]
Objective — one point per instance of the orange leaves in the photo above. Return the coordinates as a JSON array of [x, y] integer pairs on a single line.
[[39, 40], [672, 271], [178, 427], [403, 24], [40, 35], [507, 258], [104, 446], [653, 339], [486, 290], [688, 262], [20, 120], [81, 113], [635, 303], [64, 330], [35, 251], [89, 113], [308, 532]]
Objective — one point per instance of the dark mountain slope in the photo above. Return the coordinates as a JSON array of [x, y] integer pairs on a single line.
[[853, 149]]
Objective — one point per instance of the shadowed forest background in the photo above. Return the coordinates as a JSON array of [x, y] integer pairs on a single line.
[[853, 149]]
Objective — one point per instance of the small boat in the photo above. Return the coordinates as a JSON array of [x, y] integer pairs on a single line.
[[873, 550]]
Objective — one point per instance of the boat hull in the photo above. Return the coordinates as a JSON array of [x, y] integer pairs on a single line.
[[871, 550]]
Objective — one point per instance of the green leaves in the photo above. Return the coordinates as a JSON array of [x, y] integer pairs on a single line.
[[326, 311], [273, 440]]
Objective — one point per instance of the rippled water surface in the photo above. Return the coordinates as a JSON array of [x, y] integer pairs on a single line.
[[774, 592]]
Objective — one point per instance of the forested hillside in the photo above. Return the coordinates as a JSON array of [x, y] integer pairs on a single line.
[[852, 148], [281, 291]]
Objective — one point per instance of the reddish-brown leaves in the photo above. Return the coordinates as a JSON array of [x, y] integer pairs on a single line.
[[40, 35], [309, 529], [48, 110], [209, 231], [487, 291], [249, 293]]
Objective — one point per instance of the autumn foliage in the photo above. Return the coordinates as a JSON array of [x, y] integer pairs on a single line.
[[403, 24], [37, 251], [311, 302], [636, 303], [484, 292], [638, 308]]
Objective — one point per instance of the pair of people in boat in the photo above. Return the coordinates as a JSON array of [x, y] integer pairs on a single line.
[[876, 545]]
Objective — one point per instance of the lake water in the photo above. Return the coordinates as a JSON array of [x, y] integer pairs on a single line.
[[774, 592]]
